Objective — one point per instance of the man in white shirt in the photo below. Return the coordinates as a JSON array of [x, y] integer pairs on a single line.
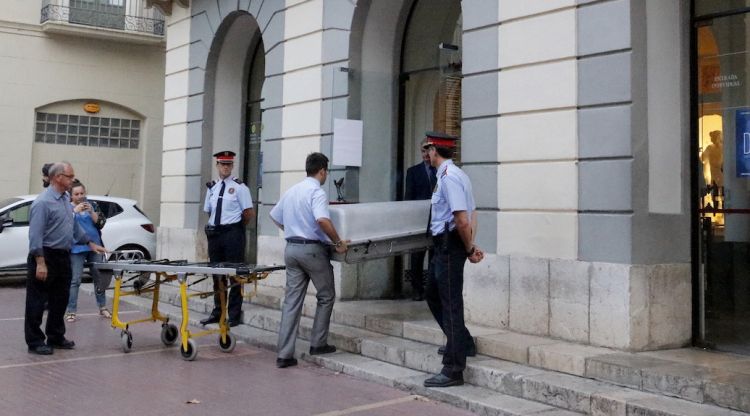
[[302, 212]]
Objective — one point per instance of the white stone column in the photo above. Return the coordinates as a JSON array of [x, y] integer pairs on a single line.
[[180, 181]]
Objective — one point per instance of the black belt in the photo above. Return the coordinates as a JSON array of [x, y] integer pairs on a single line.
[[443, 236], [226, 226], [303, 241]]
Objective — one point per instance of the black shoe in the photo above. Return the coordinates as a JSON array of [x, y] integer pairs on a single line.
[[441, 380], [41, 350], [210, 320], [325, 349], [65, 344], [418, 297], [470, 352], [286, 362]]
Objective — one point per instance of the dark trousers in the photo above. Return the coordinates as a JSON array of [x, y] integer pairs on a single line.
[[444, 295], [227, 245], [417, 272], [54, 292]]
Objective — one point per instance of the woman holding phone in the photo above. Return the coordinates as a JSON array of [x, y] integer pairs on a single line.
[[91, 220]]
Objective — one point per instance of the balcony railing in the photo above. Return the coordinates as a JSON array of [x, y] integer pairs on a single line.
[[125, 15]]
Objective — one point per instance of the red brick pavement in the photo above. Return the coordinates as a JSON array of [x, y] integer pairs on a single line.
[[97, 378]]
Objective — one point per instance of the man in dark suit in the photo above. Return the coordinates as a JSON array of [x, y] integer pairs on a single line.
[[420, 180]]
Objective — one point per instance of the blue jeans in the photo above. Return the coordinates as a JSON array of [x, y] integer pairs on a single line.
[[76, 264]]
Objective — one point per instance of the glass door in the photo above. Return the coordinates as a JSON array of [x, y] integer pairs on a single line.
[[723, 136]]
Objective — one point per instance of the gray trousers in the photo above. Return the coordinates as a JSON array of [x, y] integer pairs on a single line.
[[305, 262]]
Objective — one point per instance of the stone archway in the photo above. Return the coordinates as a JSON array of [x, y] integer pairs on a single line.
[[234, 77]]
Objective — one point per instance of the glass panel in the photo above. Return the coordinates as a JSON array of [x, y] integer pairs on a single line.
[[73, 119], [105, 122], [83, 120], [62, 118], [724, 181], [104, 131], [39, 137], [41, 116], [39, 126], [115, 122], [83, 141]]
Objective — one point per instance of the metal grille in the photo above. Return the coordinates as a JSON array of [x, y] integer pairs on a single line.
[[87, 130], [127, 15]]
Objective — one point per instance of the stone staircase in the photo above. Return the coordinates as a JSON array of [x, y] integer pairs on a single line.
[[395, 343]]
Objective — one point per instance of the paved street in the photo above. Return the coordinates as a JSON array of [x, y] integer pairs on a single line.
[[98, 378]]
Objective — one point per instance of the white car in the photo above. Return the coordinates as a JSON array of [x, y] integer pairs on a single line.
[[127, 228]]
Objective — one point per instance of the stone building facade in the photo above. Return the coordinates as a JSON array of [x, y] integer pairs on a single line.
[[575, 124]]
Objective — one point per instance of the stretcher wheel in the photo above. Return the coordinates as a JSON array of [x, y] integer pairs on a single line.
[[192, 351], [169, 334], [126, 341], [229, 345]]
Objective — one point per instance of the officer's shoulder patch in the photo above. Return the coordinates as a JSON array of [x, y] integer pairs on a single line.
[[211, 184], [236, 179]]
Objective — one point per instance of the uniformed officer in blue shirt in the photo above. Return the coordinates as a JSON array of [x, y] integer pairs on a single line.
[[453, 225], [230, 208]]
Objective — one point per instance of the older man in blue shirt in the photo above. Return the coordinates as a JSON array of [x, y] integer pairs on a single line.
[[52, 232]]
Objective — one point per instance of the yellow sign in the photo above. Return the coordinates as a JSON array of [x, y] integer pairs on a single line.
[[91, 108]]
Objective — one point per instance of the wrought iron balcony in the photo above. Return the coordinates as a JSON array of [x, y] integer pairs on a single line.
[[124, 15]]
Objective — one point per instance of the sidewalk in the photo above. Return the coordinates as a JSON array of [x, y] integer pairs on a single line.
[[388, 341], [98, 378]]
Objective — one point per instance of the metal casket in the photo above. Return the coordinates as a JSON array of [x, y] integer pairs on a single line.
[[381, 229]]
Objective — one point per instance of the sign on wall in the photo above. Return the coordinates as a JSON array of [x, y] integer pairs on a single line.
[[347, 142], [742, 142]]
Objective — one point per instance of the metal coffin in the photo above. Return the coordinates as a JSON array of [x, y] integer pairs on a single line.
[[381, 229]]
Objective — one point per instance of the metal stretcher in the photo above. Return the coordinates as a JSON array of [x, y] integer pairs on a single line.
[[132, 278]]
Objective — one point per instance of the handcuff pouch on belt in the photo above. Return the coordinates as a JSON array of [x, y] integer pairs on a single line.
[[211, 230]]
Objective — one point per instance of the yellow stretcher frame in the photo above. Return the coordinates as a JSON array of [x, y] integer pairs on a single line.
[[238, 274]]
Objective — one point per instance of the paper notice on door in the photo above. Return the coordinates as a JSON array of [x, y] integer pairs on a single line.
[[347, 142]]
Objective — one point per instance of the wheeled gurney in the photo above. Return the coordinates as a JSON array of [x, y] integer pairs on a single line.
[[132, 278]]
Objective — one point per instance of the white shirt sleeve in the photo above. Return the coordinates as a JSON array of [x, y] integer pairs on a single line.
[[320, 204]]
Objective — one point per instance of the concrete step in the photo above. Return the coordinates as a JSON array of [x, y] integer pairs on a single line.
[[474, 398], [382, 339]]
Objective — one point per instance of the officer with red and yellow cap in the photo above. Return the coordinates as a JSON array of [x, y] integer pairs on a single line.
[[453, 225], [230, 208]]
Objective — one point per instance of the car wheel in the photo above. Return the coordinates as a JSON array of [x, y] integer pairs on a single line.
[[146, 254]]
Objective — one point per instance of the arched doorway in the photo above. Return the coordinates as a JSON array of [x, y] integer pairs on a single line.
[[406, 81], [429, 95], [232, 117]]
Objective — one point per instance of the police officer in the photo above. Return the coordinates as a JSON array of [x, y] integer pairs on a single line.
[[453, 224], [230, 208]]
